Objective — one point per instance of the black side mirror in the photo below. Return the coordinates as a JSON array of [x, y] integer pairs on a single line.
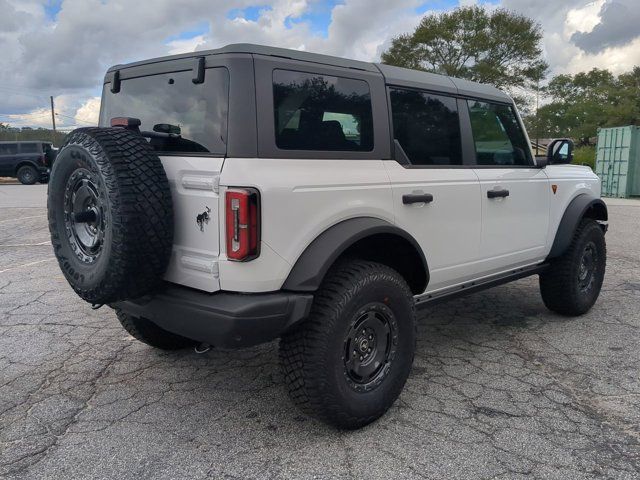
[[560, 151]]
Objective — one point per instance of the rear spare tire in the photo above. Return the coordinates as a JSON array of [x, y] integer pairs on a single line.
[[110, 214]]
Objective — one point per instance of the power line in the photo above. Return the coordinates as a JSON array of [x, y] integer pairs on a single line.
[[76, 119]]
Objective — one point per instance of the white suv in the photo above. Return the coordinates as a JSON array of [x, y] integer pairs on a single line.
[[234, 196]]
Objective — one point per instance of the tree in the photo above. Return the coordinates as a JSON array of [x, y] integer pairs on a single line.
[[580, 104], [499, 47]]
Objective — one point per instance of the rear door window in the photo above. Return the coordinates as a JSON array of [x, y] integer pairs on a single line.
[[177, 115], [427, 127], [8, 148], [321, 112], [29, 148], [498, 136]]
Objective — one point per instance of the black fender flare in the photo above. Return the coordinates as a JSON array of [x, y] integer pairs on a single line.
[[581, 206], [26, 163], [314, 262]]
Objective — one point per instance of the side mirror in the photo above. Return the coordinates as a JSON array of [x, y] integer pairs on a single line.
[[560, 151]]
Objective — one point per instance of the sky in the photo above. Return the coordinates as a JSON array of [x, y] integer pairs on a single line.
[[63, 47]]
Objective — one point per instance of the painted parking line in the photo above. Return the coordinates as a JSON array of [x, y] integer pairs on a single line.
[[27, 264]]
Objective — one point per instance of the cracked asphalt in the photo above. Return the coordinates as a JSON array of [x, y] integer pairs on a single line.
[[501, 387]]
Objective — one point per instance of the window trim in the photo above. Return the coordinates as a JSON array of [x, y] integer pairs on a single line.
[[267, 148], [528, 154]]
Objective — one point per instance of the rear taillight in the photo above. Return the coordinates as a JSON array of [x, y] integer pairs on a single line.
[[242, 214], [43, 160]]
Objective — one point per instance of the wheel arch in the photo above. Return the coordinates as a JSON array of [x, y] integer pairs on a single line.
[[582, 206], [363, 237], [25, 163]]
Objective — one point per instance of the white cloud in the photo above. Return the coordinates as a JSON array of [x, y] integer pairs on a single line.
[[88, 112], [67, 57], [584, 18]]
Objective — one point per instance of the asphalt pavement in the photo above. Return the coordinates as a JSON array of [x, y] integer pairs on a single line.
[[501, 387]]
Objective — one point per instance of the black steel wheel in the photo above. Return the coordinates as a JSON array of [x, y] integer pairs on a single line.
[[572, 283], [588, 268], [348, 362], [370, 346], [85, 215], [27, 175]]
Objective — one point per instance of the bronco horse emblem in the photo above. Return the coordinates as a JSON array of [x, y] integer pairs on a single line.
[[203, 218]]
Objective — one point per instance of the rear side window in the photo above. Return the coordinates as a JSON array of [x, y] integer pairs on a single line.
[[29, 148], [8, 148], [497, 134], [177, 115], [427, 127], [321, 112]]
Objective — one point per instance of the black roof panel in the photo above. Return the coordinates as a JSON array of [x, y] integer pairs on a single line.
[[393, 75]]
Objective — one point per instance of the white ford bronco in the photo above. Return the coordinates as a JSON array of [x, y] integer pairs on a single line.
[[235, 196]]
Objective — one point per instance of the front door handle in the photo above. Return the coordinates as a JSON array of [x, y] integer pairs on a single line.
[[497, 193], [410, 198]]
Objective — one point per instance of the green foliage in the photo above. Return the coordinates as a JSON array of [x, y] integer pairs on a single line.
[[25, 134], [585, 155], [497, 47], [582, 103]]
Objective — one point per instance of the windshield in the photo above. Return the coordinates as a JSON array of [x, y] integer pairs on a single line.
[[177, 115]]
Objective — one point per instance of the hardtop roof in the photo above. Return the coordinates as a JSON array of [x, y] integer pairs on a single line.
[[393, 75]]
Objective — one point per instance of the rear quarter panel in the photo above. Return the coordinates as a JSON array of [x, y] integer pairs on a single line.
[[300, 198]]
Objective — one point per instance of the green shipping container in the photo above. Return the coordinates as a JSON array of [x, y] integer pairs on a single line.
[[618, 161]]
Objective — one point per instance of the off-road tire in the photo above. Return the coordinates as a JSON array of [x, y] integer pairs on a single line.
[[148, 332], [561, 284], [312, 354], [125, 180], [27, 175]]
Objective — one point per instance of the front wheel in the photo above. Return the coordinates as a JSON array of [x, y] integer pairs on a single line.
[[27, 175], [572, 283], [348, 362]]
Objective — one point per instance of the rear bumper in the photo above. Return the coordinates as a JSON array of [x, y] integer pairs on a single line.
[[221, 319]]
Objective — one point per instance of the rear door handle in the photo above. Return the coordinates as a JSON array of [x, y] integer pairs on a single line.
[[497, 193], [410, 198]]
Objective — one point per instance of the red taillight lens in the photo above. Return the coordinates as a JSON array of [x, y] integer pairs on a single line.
[[242, 212]]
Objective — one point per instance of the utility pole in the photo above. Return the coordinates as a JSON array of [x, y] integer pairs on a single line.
[[53, 120], [537, 117]]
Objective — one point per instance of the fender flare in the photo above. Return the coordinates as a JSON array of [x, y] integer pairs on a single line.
[[311, 267], [577, 209], [25, 163]]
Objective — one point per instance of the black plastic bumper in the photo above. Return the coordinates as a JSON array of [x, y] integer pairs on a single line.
[[221, 319]]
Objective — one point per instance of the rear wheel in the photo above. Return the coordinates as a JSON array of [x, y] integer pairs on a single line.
[[348, 362], [148, 332], [572, 284], [27, 175]]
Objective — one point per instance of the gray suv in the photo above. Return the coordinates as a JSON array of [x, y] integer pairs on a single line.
[[29, 162]]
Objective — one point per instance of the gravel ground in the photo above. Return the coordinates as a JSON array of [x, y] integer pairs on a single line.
[[501, 388]]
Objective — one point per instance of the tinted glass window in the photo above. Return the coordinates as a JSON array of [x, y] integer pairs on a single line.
[[427, 126], [498, 137], [8, 148], [29, 148], [176, 114], [321, 112]]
